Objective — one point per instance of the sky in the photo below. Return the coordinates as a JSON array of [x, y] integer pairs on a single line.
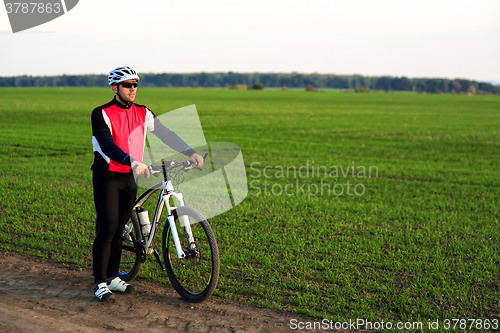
[[446, 39]]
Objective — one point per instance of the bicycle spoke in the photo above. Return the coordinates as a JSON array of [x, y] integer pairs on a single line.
[[195, 275], [129, 261]]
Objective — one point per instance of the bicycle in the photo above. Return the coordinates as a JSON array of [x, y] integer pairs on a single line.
[[189, 247]]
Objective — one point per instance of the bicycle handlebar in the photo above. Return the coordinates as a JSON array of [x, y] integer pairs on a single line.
[[156, 170]]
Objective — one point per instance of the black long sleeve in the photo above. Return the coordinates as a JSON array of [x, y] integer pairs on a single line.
[[110, 148], [171, 139]]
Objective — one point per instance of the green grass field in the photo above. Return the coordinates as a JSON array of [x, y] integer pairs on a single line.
[[420, 242]]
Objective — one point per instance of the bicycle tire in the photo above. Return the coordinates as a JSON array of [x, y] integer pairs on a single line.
[[130, 260], [193, 277]]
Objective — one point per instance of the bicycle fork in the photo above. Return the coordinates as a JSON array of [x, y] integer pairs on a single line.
[[183, 222]]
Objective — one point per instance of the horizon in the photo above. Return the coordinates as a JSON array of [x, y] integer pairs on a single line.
[[293, 72], [446, 39]]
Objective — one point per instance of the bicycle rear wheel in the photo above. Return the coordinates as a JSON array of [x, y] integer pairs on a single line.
[[196, 275], [130, 261]]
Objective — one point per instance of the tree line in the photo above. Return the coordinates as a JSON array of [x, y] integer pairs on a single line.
[[268, 80]]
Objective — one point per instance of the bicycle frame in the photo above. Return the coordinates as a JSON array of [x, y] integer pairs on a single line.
[[167, 191]]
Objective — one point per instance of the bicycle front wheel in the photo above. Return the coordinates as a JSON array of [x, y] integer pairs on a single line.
[[130, 260], [194, 276]]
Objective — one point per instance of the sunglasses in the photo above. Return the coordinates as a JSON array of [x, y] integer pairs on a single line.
[[129, 84]]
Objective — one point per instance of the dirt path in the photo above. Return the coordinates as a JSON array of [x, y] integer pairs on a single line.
[[37, 295]]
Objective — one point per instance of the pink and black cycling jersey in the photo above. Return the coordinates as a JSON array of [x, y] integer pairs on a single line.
[[119, 133]]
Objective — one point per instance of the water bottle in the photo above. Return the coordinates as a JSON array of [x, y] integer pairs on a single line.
[[144, 221]]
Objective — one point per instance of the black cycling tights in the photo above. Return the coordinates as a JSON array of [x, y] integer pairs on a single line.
[[114, 196]]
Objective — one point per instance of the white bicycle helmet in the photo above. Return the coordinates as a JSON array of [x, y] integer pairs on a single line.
[[121, 74]]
